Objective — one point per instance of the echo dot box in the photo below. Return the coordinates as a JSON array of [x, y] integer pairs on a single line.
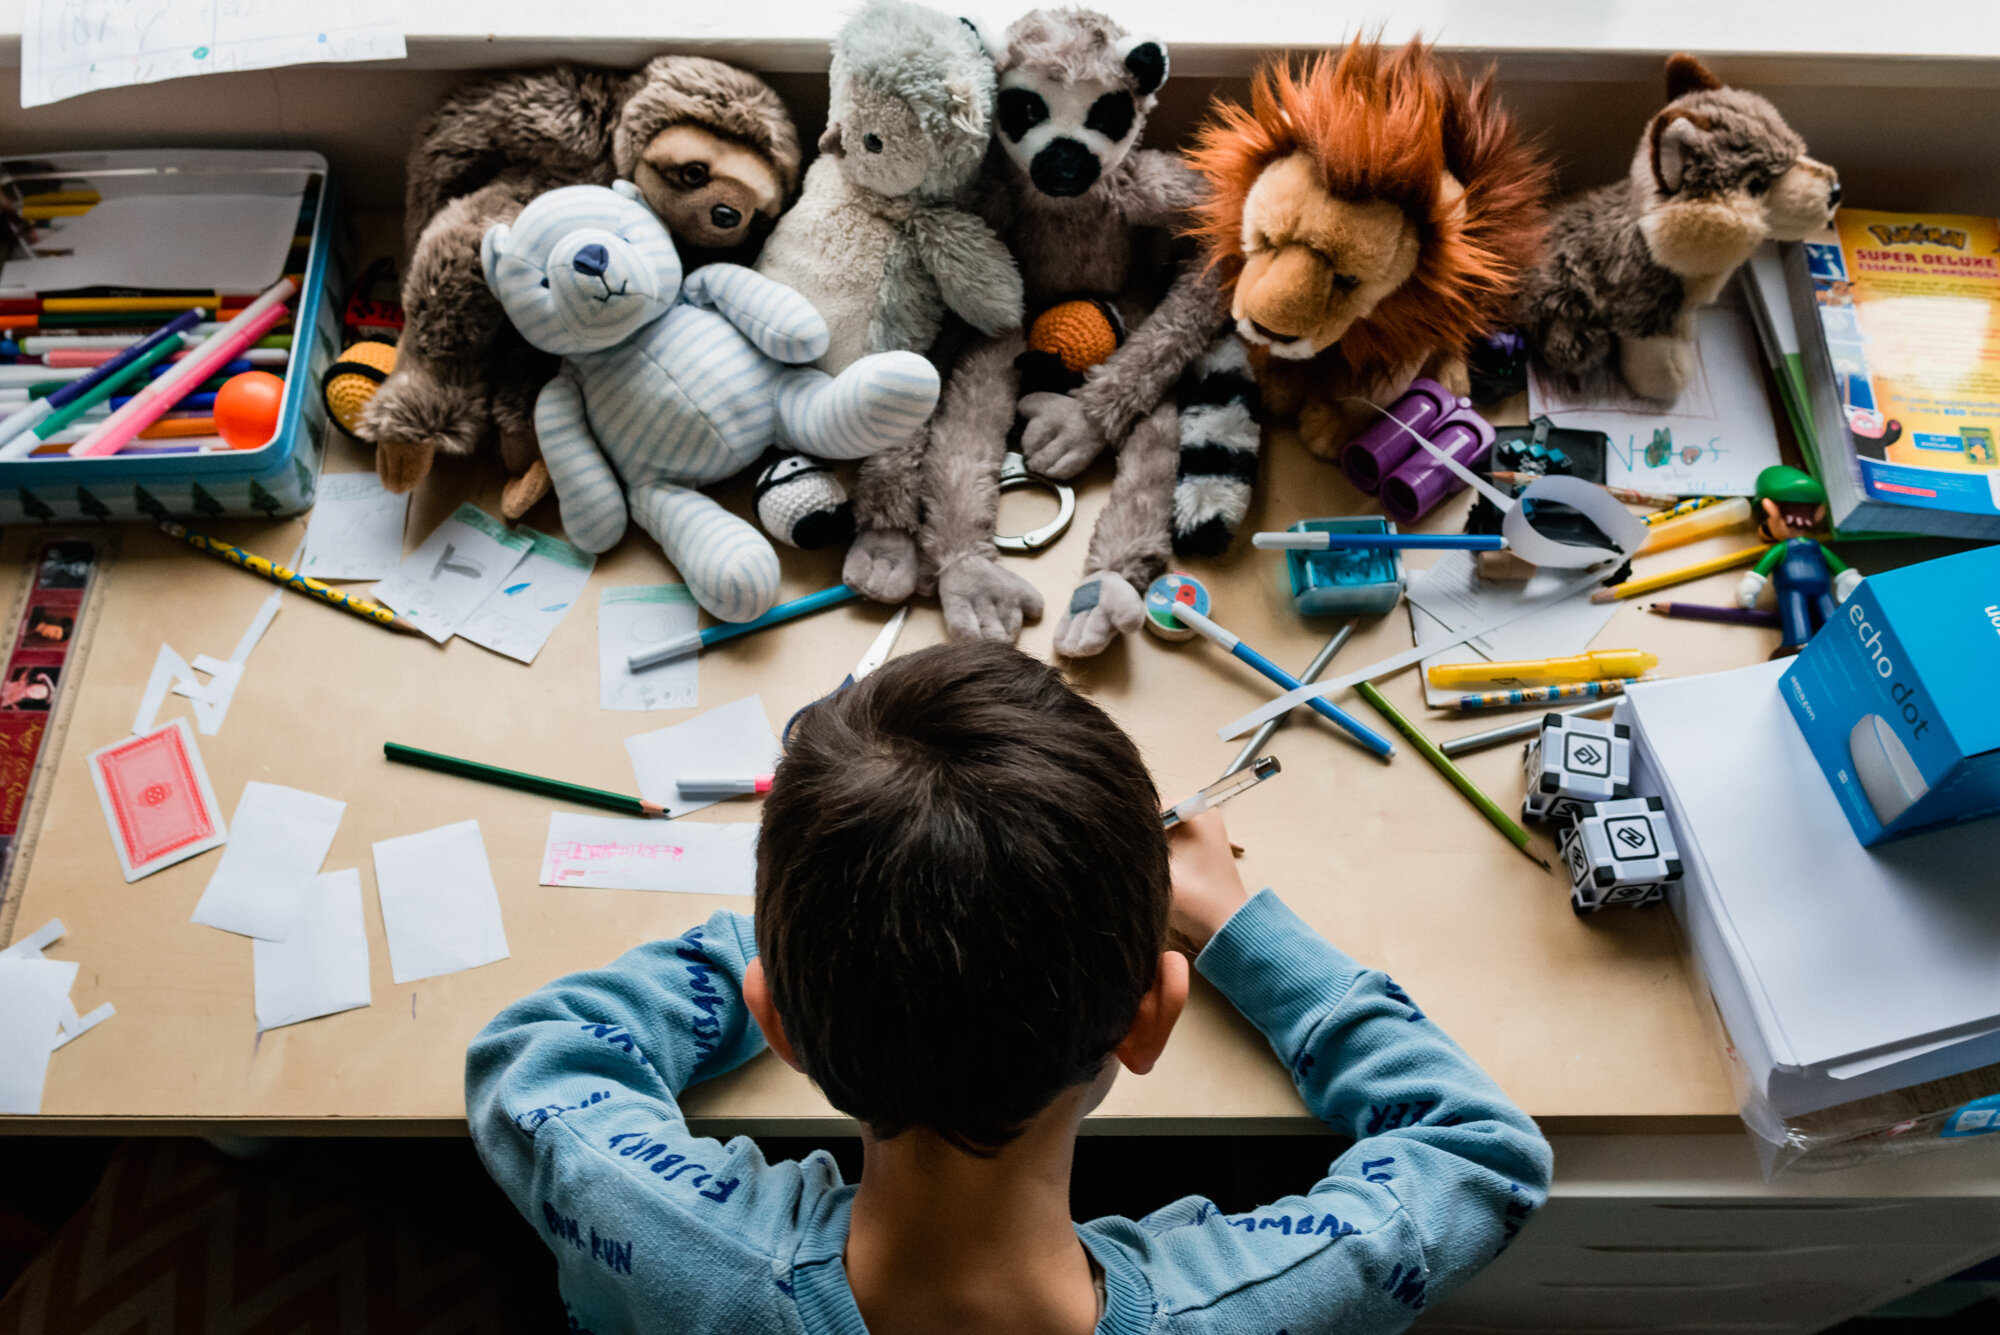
[[1899, 697]]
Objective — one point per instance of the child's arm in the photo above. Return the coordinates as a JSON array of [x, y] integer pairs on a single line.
[[572, 1096], [1442, 1174]]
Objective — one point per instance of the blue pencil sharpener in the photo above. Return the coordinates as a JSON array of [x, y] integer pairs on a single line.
[[1345, 583]]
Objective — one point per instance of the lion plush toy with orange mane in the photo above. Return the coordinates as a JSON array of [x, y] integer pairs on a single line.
[[1375, 213]]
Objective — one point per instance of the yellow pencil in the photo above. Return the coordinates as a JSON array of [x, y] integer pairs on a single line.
[[1632, 588], [62, 197], [48, 212], [79, 305], [291, 579]]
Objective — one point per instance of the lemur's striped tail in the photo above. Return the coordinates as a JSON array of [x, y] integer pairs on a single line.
[[1219, 440]]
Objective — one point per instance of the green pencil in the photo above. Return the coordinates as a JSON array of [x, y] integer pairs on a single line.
[[1427, 748], [528, 783], [106, 387]]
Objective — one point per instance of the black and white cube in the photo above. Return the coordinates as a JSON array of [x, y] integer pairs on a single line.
[[1573, 762], [1619, 852]]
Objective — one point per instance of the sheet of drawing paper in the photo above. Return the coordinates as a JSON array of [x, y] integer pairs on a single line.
[[439, 906], [1712, 441], [1450, 596], [70, 47], [635, 617], [729, 741], [221, 242], [321, 967], [356, 528], [156, 799], [464, 560], [518, 617], [278, 838], [612, 853], [34, 993]]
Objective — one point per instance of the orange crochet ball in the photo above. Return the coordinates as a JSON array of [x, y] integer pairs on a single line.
[[1082, 333], [247, 407]]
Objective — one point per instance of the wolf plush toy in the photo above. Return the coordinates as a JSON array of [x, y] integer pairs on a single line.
[[668, 385], [1717, 172]]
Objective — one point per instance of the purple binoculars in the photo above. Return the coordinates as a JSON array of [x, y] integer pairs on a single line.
[[1385, 461]]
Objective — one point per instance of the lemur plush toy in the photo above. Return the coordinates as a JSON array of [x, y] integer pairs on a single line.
[[1086, 213], [1717, 172], [668, 385], [881, 243], [710, 146]]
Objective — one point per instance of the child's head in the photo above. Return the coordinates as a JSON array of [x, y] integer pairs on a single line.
[[962, 892]]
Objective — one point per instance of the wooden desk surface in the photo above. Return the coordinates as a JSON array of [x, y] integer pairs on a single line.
[[1589, 1024]]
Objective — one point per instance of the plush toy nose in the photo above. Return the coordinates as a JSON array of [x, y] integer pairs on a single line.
[[724, 217], [592, 260], [1063, 169]]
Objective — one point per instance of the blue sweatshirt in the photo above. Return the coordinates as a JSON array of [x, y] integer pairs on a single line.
[[573, 1096]]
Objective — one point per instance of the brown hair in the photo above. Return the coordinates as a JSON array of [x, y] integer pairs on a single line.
[[1382, 124], [962, 892]]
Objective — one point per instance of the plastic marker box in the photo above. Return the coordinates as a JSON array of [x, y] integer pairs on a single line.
[[1896, 697], [279, 477]]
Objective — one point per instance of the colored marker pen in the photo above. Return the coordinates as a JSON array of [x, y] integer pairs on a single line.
[[708, 788]]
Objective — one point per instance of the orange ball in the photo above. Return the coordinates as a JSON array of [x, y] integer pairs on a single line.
[[247, 408], [1081, 332]]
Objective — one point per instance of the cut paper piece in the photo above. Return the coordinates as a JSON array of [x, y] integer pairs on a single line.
[[1712, 441], [278, 838], [34, 993], [458, 566], [30, 947], [728, 741], [74, 1027], [156, 799], [321, 967], [1450, 595], [518, 617], [439, 907], [1292, 699], [212, 698], [69, 47], [355, 530], [632, 618], [169, 670], [607, 852]]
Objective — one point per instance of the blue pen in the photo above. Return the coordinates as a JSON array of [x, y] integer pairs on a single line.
[[188, 404], [1360, 731], [232, 368], [26, 419], [683, 646], [1321, 542]]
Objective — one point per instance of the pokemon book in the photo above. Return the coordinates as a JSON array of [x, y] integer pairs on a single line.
[[1898, 318]]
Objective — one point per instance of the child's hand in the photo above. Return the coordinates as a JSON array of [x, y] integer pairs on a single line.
[[1207, 888]]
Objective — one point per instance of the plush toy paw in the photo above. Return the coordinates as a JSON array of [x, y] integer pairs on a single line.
[[983, 600], [523, 493], [1059, 440], [882, 564], [1101, 609], [1322, 429], [402, 464]]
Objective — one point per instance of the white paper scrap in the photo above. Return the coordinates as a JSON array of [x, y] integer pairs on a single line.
[[1450, 595], [33, 996], [458, 566], [729, 741], [439, 906], [31, 946], [632, 618], [169, 670], [321, 967], [612, 853], [356, 528], [277, 840], [212, 698], [518, 617], [70, 1024], [70, 47], [75, 1026]]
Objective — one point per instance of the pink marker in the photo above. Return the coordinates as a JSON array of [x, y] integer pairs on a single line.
[[707, 789]]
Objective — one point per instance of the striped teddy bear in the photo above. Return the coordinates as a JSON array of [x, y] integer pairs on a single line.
[[669, 385]]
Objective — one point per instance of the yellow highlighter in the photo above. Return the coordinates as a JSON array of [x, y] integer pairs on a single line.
[[1597, 664], [1697, 524]]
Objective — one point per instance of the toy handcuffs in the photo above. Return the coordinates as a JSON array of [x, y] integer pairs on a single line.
[[1014, 475]]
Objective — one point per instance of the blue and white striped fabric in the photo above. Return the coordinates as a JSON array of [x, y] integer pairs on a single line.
[[669, 387]]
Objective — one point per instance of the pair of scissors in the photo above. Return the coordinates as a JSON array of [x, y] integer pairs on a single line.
[[878, 654]]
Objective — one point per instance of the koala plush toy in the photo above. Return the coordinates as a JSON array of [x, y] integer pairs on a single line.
[[1626, 266], [668, 385]]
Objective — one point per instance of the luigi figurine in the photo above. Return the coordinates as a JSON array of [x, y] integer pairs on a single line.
[[1811, 579]]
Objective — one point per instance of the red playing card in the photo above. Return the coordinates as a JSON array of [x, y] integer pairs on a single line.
[[156, 799]]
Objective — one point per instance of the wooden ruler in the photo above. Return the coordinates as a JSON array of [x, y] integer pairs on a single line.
[[54, 622]]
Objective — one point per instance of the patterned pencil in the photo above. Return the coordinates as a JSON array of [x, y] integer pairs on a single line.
[[1542, 695], [291, 579], [1686, 507]]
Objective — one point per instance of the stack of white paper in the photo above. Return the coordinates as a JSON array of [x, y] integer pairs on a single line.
[[1841, 971]]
